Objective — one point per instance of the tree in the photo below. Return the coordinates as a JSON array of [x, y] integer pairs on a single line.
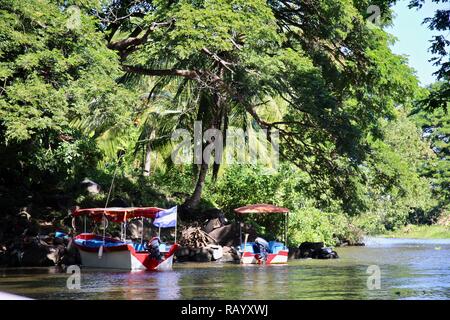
[[439, 47], [54, 67], [396, 191], [435, 125], [332, 68]]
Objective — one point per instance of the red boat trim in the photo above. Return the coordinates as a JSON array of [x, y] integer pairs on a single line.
[[118, 214]]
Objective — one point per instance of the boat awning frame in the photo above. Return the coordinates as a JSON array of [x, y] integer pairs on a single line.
[[118, 214], [261, 209]]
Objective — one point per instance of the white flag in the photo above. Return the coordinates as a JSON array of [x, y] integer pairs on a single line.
[[166, 218]]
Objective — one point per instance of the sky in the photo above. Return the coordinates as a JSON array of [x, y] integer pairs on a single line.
[[413, 37]]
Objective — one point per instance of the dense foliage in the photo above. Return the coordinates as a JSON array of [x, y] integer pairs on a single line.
[[94, 89], [440, 43]]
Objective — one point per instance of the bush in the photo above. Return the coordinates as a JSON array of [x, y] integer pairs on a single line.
[[311, 224]]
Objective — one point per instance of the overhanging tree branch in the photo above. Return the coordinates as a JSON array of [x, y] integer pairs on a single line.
[[190, 74], [126, 44]]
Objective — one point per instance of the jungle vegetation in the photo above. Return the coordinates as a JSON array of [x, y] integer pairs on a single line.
[[94, 89]]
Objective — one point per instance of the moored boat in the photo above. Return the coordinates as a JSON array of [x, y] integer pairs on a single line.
[[100, 251], [275, 252]]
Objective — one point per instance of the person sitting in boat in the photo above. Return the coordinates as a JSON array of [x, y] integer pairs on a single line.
[[153, 247], [263, 246]]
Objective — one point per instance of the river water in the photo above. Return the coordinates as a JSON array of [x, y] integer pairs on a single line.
[[408, 269]]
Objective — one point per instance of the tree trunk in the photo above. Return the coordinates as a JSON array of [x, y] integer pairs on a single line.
[[214, 108], [148, 160], [194, 200]]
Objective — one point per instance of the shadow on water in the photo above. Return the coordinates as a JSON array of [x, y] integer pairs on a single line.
[[409, 269]]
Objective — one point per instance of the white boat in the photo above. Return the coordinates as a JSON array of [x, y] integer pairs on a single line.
[[277, 252], [99, 251]]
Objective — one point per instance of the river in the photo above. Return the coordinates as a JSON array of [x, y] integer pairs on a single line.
[[408, 269]]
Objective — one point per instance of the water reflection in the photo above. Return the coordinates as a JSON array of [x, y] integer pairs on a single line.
[[140, 285]]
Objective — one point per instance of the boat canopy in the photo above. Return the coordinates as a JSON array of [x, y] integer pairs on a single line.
[[260, 208], [118, 214]]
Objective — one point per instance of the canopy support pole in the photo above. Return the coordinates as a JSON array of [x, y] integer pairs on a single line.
[[240, 228], [286, 222], [104, 228], [84, 224], [142, 233], [176, 222]]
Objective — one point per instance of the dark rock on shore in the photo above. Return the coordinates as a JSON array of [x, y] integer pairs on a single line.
[[205, 254], [33, 252], [226, 236], [27, 242], [314, 250], [184, 254], [229, 255], [201, 255], [347, 243]]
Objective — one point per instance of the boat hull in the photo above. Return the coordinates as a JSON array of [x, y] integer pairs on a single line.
[[111, 260], [281, 257], [123, 257]]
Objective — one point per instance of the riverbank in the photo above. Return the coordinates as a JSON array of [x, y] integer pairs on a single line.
[[420, 232]]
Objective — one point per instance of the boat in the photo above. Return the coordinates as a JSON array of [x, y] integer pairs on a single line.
[[277, 252], [100, 251]]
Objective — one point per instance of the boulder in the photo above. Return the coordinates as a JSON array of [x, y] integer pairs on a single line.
[[212, 224], [216, 251], [325, 253], [294, 253], [305, 246], [90, 186], [215, 213], [201, 255], [36, 255], [227, 235], [315, 250], [3, 256], [182, 254], [229, 255], [204, 254], [70, 254], [346, 243], [55, 254]]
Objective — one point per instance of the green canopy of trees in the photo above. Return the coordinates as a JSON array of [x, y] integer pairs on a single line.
[[88, 88]]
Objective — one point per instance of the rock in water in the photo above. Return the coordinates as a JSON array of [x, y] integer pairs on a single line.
[[182, 254], [230, 255], [201, 255], [325, 253], [315, 250], [216, 251]]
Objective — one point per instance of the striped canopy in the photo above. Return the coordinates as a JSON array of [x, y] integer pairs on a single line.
[[260, 208], [118, 214]]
